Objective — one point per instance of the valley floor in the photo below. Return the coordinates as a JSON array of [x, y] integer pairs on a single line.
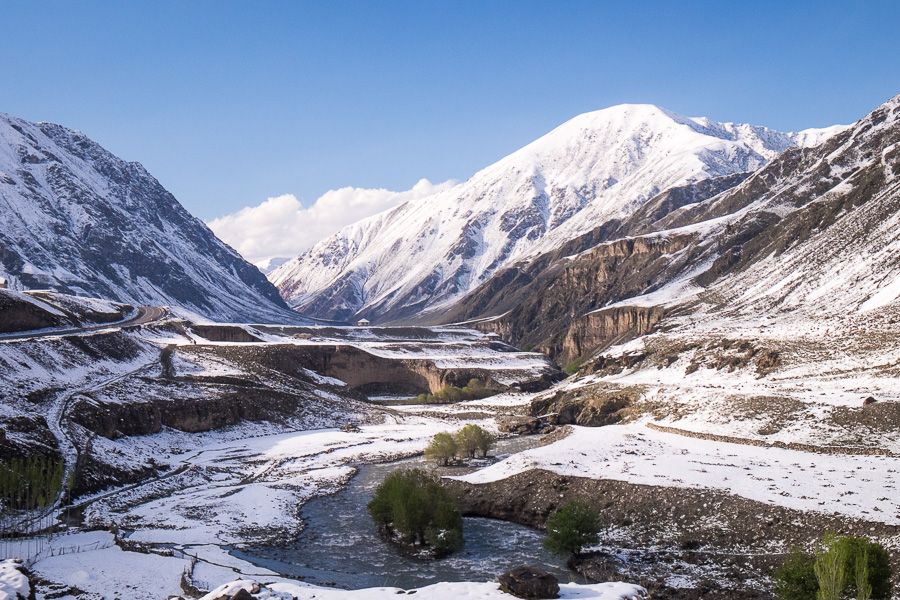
[[707, 457]]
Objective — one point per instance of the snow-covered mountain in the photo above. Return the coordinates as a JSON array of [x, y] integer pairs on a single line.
[[75, 218], [833, 246], [812, 237], [423, 255]]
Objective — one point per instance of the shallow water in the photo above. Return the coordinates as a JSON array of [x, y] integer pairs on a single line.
[[340, 545]]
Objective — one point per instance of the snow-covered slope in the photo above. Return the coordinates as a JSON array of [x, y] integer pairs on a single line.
[[77, 219], [424, 254], [836, 250]]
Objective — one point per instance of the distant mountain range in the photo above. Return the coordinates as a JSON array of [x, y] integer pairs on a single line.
[[420, 260], [77, 219]]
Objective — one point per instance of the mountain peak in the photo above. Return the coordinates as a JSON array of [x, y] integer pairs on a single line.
[[597, 167]]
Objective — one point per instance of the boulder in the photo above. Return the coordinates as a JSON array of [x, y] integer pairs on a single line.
[[242, 595], [869, 400], [529, 582], [518, 425]]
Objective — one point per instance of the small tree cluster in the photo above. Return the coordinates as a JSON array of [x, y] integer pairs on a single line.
[[474, 390], [467, 443], [572, 528], [842, 567], [29, 488], [30, 483], [411, 507]]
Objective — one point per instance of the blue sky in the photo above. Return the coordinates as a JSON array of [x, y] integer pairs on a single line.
[[230, 103]]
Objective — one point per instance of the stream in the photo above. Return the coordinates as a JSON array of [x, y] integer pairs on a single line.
[[341, 547]]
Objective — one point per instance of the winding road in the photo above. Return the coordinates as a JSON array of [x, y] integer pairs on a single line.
[[143, 315]]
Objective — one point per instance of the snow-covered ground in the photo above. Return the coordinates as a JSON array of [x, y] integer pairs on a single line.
[[13, 583], [237, 487], [862, 487], [93, 563]]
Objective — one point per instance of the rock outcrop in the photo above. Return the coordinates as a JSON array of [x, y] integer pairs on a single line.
[[563, 315], [529, 582], [608, 326]]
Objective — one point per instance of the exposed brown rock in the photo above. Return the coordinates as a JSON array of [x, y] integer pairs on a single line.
[[518, 425], [589, 408], [224, 333], [614, 324], [529, 582]]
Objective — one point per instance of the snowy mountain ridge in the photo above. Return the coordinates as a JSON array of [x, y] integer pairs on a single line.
[[599, 166], [77, 219]]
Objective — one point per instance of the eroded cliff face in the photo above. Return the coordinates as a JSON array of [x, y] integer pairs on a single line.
[[608, 326], [560, 321]]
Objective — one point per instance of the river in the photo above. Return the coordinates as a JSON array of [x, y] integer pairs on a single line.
[[341, 547]]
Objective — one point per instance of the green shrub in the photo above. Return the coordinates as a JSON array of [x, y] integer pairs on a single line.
[[442, 448], [474, 390], [573, 366], [571, 528], [795, 579], [412, 508], [472, 439], [844, 566]]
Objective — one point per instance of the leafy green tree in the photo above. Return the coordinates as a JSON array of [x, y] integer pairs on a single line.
[[444, 532], [473, 439], [861, 576], [830, 568], [485, 440], [474, 390], [411, 507], [442, 448], [795, 579], [572, 528], [844, 566], [467, 441], [868, 561]]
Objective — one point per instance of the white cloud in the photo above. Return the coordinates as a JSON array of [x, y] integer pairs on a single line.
[[282, 227]]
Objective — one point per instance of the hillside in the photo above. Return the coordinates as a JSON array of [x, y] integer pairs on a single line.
[[809, 235], [76, 219]]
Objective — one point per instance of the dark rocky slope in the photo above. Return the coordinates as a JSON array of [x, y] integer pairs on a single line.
[[77, 219]]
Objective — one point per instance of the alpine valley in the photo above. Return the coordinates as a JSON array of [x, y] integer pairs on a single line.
[[692, 327]]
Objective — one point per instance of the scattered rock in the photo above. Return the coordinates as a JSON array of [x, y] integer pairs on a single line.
[[529, 582], [598, 567], [767, 361], [589, 409], [350, 428], [518, 425]]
